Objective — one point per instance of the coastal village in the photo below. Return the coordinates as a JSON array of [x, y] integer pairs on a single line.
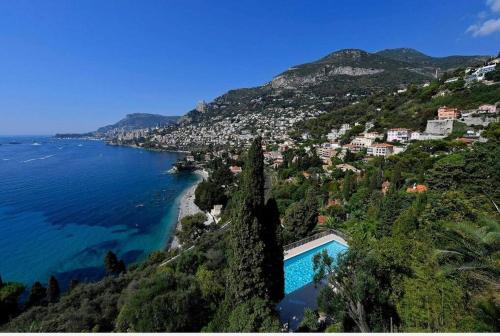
[[227, 138], [325, 216]]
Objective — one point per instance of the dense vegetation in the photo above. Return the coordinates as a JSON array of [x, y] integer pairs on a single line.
[[417, 261]]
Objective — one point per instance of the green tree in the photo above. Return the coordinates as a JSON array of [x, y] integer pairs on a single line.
[[473, 250], [9, 297], [53, 291], [192, 227], [247, 277], [352, 284], [273, 247], [348, 185], [37, 296], [208, 194], [301, 217], [165, 302], [431, 302], [309, 322], [112, 265], [397, 180], [255, 315]]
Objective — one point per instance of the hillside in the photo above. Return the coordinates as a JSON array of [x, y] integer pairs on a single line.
[[415, 57], [140, 120], [131, 122], [331, 82]]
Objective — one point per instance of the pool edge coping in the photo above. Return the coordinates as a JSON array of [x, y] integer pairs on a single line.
[[324, 240]]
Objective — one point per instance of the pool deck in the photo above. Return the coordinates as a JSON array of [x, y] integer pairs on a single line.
[[312, 244]]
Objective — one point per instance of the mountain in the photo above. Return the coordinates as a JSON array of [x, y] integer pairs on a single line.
[[417, 58], [331, 82], [130, 122], [138, 121]]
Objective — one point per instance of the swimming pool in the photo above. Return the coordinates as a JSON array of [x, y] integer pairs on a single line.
[[299, 269]]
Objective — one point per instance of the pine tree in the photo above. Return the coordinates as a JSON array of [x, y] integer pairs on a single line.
[[273, 245], [53, 291], [37, 295]]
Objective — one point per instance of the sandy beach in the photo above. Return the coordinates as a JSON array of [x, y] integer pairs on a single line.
[[187, 206]]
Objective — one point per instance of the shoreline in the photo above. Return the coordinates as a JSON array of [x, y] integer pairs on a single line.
[[185, 207]]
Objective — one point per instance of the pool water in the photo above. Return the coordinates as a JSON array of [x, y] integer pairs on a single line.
[[299, 269]]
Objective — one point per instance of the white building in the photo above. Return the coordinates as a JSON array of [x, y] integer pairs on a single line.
[[381, 149], [373, 135], [415, 135], [333, 135], [398, 134], [362, 142], [343, 129]]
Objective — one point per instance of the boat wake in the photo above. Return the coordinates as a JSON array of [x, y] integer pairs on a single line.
[[40, 158]]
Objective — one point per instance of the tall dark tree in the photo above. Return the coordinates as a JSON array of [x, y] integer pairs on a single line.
[[9, 298], [348, 185], [247, 263], [112, 265], [73, 284], [397, 180], [273, 247], [247, 266], [37, 296], [53, 291], [1, 282], [253, 174], [301, 217]]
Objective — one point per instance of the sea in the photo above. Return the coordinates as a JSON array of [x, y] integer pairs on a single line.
[[65, 203]]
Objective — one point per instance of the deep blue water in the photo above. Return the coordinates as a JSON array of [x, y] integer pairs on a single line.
[[65, 203], [299, 269]]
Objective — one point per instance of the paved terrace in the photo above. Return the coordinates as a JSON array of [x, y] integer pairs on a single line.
[[309, 245]]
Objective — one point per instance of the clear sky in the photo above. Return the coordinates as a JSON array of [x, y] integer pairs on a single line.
[[73, 66]]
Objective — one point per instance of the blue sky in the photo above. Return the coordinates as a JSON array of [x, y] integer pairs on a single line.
[[73, 66]]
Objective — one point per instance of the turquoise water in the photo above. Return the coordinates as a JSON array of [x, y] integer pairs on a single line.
[[299, 269], [65, 203]]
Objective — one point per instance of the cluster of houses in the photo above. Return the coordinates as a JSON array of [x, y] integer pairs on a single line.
[[397, 138], [478, 75]]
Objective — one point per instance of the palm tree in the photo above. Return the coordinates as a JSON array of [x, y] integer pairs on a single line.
[[474, 250]]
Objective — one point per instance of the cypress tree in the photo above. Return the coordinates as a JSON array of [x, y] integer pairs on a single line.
[[53, 291], [73, 284], [111, 263], [37, 295], [1, 282], [253, 179], [273, 246], [397, 179], [247, 264], [348, 185]]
